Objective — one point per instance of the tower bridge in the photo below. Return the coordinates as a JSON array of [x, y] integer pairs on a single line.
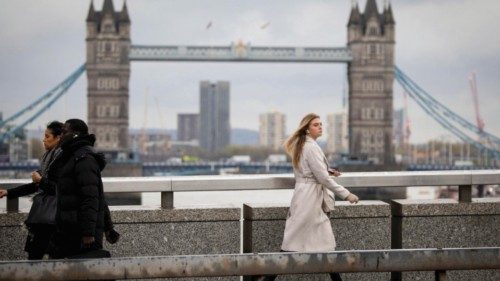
[[369, 54]]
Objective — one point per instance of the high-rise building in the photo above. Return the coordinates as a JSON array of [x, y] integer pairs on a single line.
[[108, 71], [371, 39], [215, 129], [272, 129], [338, 141], [188, 126]]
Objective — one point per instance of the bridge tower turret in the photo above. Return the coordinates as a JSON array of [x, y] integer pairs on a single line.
[[108, 72], [370, 37]]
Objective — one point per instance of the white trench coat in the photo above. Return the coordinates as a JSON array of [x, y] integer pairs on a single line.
[[308, 227]]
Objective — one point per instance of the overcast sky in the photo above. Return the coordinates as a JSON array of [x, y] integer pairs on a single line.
[[438, 43]]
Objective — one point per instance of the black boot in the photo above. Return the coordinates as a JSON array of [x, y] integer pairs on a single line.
[[265, 278], [335, 276]]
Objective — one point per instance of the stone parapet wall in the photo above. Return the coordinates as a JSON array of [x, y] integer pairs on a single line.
[[445, 223], [150, 232], [364, 226]]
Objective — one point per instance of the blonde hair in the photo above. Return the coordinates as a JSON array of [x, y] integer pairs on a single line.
[[295, 143]]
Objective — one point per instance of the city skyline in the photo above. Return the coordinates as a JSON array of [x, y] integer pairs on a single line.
[[35, 57], [272, 129]]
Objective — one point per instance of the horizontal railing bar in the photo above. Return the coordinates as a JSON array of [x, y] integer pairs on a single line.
[[115, 184], [253, 264], [235, 182], [286, 181]]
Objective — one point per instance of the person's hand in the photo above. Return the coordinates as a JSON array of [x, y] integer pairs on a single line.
[[353, 199], [334, 172], [87, 241], [36, 177], [112, 236], [3, 193]]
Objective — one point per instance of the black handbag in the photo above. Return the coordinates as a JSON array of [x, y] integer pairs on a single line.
[[43, 210]]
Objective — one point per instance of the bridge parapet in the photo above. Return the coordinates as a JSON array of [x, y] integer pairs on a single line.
[[169, 185], [445, 223], [365, 226], [369, 225], [254, 264]]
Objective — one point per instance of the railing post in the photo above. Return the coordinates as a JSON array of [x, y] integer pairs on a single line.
[[167, 200], [247, 242], [396, 234], [12, 204], [440, 275], [465, 193]]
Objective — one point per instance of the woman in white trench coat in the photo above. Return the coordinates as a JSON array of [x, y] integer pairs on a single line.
[[308, 227]]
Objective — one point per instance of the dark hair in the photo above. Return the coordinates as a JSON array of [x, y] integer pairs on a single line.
[[56, 128], [78, 126]]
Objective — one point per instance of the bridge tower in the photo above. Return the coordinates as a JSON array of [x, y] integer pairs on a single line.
[[108, 72], [371, 75]]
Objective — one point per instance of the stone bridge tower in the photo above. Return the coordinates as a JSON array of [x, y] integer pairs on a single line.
[[371, 76], [108, 72]]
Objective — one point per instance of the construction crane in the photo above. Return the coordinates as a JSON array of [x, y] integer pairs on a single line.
[[451, 121], [165, 141], [160, 115], [143, 139], [473, 90]]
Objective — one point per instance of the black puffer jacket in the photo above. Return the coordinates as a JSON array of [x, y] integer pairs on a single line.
[[81, 204]]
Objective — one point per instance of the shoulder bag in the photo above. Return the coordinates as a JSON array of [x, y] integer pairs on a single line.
[[43, 210]]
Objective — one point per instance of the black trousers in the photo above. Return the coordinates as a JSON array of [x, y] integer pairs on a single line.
[[38, 240], [69, 244], [335, 276]]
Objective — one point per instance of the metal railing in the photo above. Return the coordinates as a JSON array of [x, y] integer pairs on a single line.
[[438, 260], [169, 185]]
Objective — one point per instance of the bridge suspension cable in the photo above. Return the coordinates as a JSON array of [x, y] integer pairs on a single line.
[[447, 118], [50, 98]]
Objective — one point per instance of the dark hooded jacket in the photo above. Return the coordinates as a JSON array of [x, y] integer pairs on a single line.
[[81, 207]]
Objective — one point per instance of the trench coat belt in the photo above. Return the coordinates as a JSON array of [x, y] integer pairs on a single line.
[[307, 180]]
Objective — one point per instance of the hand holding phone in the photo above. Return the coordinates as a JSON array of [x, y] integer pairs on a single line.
[[334, 172]]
